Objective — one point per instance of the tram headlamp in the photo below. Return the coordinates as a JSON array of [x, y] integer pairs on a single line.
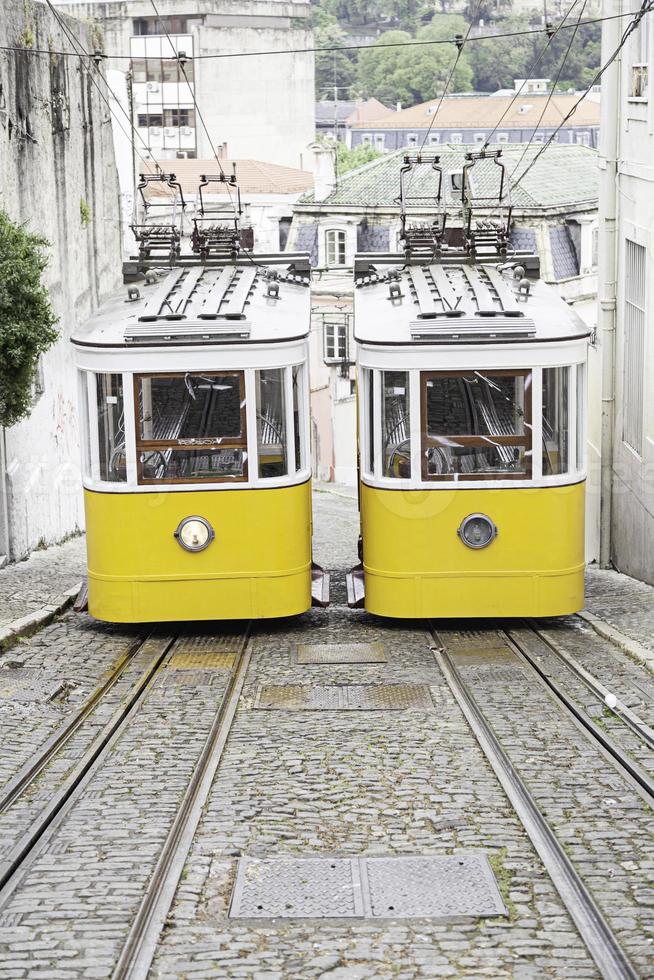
[[477, 531], [194, 533]]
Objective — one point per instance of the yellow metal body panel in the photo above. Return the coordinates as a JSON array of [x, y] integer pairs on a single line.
[[258, 565], [416, 565]]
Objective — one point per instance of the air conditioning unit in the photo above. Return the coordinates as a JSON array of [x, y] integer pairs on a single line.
[[170, 131], [187, 131], [155, 131], [152, 87]]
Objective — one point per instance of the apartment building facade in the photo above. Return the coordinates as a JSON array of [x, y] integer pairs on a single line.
[[626, 296]]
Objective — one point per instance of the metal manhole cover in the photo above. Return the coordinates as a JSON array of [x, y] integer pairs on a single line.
[[307, 888], [28, 684], [409, 887], [471, 639], [340, 653], [187, 678], [371, 888], [354, 697], [201, 643], [201, 661]]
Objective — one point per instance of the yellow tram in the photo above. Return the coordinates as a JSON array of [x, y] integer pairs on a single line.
[[472, 392], [194, 398]]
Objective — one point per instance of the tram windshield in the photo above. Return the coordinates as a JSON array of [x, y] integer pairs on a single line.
[[476, 424], [191, 427]]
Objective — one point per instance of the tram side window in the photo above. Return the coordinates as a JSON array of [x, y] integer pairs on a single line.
[[111, 428], [298, 428], [369, 432], [556, 428], [396, 425], [476, 425], [271, 423], [191, 427]]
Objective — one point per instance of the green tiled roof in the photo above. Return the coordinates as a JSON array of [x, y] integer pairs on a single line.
[[564, 176]]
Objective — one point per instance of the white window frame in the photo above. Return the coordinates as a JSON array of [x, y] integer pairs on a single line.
[[480, 138], [641, 45], [366, 137], [456, 138], [434, 139], [335, 247], [380, 140], [502, 137], [338, 341], [635, 344], [411, 139]]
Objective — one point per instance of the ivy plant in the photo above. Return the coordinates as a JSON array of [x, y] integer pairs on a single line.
[[27, 320]]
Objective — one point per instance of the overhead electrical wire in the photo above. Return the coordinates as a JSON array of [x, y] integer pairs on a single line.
[[530, 72], [335, 47], [81, 53], [551, 92], [647, 7]]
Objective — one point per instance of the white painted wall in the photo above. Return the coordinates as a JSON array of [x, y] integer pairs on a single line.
[[56, 150], [632, 498]]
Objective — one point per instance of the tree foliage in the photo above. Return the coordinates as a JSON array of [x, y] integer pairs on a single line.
[[347, 159], [27, 321], [415, 73]]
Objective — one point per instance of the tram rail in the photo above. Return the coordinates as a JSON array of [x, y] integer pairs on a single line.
[[14, 788], [15, 861], [139, 949], [603, 945]]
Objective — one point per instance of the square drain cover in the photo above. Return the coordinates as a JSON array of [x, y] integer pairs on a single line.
[[340, 653], [370, 888], [28, 684], [355, 697], [182, 660]]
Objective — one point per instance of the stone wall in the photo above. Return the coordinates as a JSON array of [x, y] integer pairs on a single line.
[[58, 177]]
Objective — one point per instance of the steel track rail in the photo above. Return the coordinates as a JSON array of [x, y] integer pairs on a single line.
[[623, 711], [138, 952], [24, 778], [602, 944], [12, 864], [618, 756]]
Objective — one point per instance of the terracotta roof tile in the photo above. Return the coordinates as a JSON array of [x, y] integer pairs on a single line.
[[468, 112], [254, 176]]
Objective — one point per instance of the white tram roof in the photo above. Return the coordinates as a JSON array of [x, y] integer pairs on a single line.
[[456, 304], [248, 301]]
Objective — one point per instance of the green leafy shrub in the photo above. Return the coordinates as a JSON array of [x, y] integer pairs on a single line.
[[27, 320]]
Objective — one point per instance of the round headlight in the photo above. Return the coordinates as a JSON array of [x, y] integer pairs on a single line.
[[194, 533], [477, 531]]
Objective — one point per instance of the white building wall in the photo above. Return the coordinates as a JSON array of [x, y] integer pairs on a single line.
[[631, 127], [261, 106], [56, 152]]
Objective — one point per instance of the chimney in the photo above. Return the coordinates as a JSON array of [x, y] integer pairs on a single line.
[[324, 176]]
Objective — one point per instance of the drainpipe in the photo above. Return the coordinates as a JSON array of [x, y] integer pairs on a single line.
[[5, 549], [607, 262]]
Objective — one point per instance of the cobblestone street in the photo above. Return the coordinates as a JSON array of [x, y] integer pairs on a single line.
[[339, 759]]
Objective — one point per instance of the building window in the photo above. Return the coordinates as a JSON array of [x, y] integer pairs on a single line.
[[179, 117], [366, 137], [640, 49], [634, 345], [335, 339], [411, 139], [434, 139], [502, 137], [595, 248], [480, 138], [162, 25], [456, 138], [335, 247], [159, 70], [583, 138], [379, 141]]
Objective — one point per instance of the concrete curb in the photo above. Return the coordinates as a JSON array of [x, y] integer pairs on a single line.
[[625, 643], [36, 620]]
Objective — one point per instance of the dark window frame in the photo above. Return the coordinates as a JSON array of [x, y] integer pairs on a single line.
[[477, 441]]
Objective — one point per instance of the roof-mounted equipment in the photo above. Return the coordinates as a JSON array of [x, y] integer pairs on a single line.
[[425, 239], [158, 239], [487, 190]]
